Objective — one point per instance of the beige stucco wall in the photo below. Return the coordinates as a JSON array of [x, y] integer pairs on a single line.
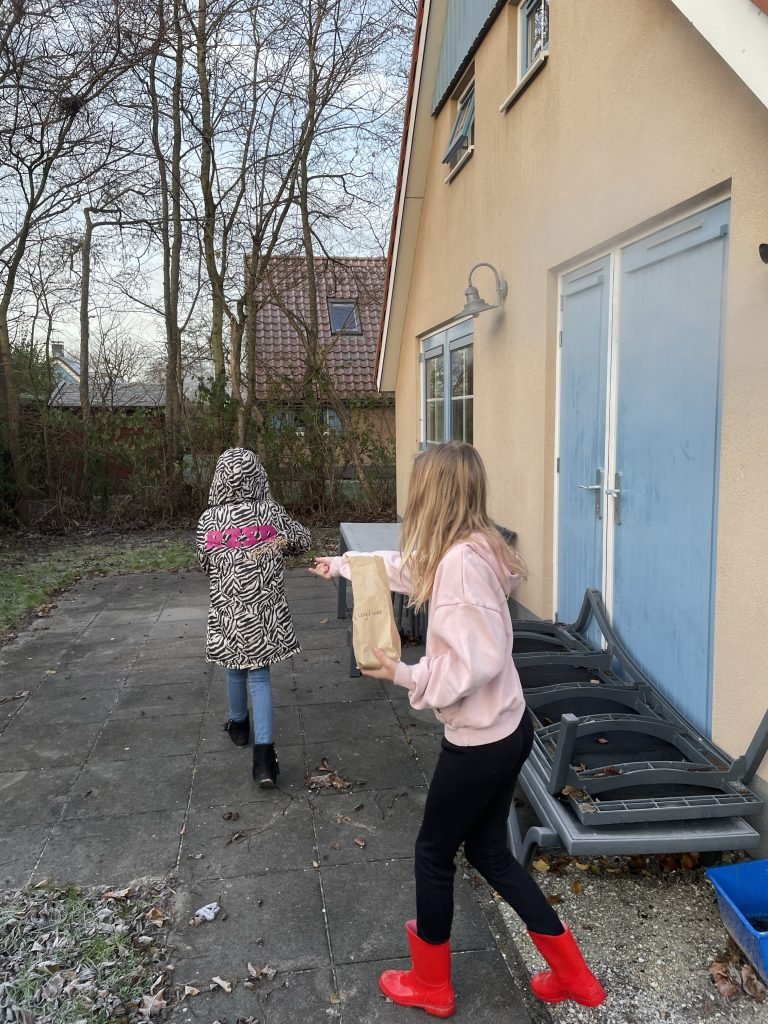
[[633, 116]]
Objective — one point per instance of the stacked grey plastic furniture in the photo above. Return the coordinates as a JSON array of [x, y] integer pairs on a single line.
[[615, 768]]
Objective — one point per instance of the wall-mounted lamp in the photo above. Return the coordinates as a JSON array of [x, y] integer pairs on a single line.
[[763, 250], [474, 305]]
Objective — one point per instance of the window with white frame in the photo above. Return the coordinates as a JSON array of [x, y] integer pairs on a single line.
[[534, 32], [448, 388], [462, 139]]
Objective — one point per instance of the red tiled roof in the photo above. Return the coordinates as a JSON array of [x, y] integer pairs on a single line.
[[283, 316]]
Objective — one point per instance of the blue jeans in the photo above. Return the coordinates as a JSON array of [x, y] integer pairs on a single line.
[[238, 682]]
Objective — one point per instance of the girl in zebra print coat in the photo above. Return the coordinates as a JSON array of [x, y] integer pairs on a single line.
[[240, 541]]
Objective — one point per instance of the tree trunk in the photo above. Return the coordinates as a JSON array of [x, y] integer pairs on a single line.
[[12, 419], [171, 238], [85, 343]]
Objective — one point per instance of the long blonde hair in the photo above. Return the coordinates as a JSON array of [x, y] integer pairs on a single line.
[[447, 503]]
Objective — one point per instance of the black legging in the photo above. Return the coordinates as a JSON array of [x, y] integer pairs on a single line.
[[468, 802]]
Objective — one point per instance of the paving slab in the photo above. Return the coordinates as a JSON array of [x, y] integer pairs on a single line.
[[46, 709], [36, 796], [361, 719], [19, 852], [284, 909], [239, 839], [26, 746], [96, 851], [171, 648], [416, 722], [131, 617], [91, 656], [155, 701], [319, 688], [386, 820], [289, 998], [320, 639], [485, 991], [68, 679], [286, 728], [223, 778], [425, 747], [129, 739], [112, 633], [185, 613], [379, 762], [177, 671], [368, 905], [109, 788], [333, 661], [192, 629]]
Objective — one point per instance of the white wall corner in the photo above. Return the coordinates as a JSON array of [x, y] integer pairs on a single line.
[[738, 31]]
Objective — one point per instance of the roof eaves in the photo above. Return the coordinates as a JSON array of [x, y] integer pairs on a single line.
[[738, 31], [408, 119]]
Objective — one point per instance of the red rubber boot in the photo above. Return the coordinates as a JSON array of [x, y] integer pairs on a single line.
[[428, 984], [569, 977]]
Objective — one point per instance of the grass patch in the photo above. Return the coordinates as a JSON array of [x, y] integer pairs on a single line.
[[34, 569], [30, 579], [70, 955]]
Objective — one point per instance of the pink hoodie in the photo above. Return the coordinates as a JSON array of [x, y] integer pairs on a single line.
[[467, 675]]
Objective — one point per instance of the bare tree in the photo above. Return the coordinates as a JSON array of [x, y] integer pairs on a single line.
[[58, 58]]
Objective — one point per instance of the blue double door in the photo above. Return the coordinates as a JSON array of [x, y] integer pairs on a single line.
[[638, 451]]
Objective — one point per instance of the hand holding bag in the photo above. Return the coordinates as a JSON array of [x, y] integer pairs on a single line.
[[373, 620]]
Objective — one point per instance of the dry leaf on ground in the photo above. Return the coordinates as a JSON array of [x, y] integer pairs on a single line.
[[752, 985], [720, 973], [330, 781], [261, 972], [19, 695], [150, 1005]]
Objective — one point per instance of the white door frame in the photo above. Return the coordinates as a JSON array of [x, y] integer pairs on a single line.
[[615, 253]]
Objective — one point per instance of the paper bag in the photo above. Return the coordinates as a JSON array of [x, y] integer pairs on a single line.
[[373, 621]]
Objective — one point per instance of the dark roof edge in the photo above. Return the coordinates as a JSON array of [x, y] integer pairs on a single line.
[[496, 11], [399, 184]]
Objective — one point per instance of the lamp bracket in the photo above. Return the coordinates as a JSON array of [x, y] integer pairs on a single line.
[[501, 285]]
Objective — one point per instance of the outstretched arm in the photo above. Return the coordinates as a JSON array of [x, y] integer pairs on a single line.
[[299, 538], [399, 580]]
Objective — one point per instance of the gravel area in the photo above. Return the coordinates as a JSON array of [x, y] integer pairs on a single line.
[[649, 929]]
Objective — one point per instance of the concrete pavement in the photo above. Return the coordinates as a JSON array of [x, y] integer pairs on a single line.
[[116, 767]]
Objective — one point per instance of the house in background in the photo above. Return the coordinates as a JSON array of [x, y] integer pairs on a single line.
[[65, 367], [609, 161], [349, 301], [107, 394], [127, 397]]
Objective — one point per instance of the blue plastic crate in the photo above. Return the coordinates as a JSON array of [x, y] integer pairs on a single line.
[[742, 893]]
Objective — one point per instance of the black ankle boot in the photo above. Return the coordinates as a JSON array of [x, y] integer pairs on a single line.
[[238, 731], [265, 766]]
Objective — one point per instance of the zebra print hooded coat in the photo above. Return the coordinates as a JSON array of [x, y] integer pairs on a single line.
[[240, 541]]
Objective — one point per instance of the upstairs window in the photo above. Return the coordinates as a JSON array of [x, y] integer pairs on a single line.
[[534, 32], [462, 140], [344, 317]]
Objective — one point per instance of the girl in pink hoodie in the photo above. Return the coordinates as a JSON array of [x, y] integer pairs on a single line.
[[453, 556]]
